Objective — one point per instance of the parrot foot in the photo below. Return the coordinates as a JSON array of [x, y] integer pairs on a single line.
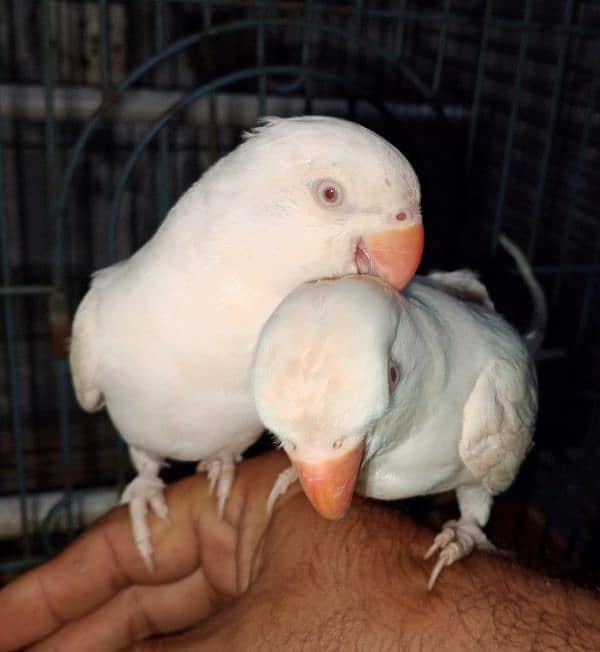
[[221, 471], [281, 485], [456, 540], [140, 492]]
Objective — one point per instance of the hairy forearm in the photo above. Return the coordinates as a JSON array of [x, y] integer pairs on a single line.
[[361, 583]]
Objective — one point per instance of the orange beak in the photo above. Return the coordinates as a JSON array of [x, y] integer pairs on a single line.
[[396, 254], [329, 485]]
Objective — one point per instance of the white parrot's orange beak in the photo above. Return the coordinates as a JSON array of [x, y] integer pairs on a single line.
[[396, 254], [329, 484]]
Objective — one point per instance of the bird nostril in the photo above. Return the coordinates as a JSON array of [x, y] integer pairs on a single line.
[[401, 216]]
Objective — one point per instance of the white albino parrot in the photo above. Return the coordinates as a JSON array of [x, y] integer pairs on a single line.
[[399, 395], [165, 338]]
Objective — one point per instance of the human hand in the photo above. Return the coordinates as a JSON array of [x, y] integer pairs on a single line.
[[290, 581], [98, 595]]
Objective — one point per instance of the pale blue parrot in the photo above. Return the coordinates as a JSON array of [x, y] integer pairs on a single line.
[[400, 394]]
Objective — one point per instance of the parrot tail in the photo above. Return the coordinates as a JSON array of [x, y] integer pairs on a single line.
[[534, 335]]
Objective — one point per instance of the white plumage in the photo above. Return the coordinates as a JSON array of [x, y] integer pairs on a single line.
[[431, 388], [164, 339]]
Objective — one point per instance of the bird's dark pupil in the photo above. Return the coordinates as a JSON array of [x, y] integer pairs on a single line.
[[330, 194]]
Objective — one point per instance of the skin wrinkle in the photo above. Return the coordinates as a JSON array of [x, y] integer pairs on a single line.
[[242, 579], [376, 600], [140, 624], [50, 603], [119, 577]]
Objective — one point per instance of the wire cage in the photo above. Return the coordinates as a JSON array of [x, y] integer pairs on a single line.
[[109, 110]]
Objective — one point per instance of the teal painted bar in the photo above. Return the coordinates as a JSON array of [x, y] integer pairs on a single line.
[[439, 59], [24, 290], [512, 122], [105, 61], [536, 213], [577, 176], [307, 36], [476, 103], [260, 62], [401, 17], [52, 165], [12, 366], [163, 173]]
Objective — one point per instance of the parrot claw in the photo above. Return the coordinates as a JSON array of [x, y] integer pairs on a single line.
[[281, 485], [139, 493], [221, 471], [443, 538], [456, 540]]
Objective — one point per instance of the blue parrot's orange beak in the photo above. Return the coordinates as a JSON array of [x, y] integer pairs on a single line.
[[329, 484], [396, 253]]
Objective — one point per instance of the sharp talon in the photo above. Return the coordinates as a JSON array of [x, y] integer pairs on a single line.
[[144, 547], [456, 540], [284, 480], [143, 492], [437, 569], [271, 500], [159, 507], [213, 476], [431, 550], [148, 562], [221, 472], [441, 540]]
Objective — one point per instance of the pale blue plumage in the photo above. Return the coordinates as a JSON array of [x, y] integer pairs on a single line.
[[461, 415]]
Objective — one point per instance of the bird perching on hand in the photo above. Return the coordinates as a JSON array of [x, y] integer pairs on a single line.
[[399, 395], [165, 338]]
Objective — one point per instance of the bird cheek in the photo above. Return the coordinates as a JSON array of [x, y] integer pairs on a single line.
[[329, 483]]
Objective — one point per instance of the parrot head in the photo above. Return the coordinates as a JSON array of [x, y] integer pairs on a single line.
[[328, 198], [323, 374]]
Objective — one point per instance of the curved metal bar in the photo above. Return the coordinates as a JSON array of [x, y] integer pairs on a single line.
[[285, 88], [185, 101], [234, 26], [51, 516]]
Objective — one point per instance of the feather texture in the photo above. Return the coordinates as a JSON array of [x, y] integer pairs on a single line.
[[165, 338]]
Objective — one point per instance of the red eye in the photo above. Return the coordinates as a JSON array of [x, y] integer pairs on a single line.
[[330, 194], [393, 375]]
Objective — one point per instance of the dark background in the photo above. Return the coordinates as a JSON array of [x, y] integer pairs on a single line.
[[495, 104]]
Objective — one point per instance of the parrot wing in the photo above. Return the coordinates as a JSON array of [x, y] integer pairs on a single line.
[[498, 421], [463, 284], [83, 350], [83, 355]]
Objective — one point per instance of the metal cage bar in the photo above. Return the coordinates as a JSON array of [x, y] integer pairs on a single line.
[[512, 121], [407, 26], [12, 368], [554, 110]]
